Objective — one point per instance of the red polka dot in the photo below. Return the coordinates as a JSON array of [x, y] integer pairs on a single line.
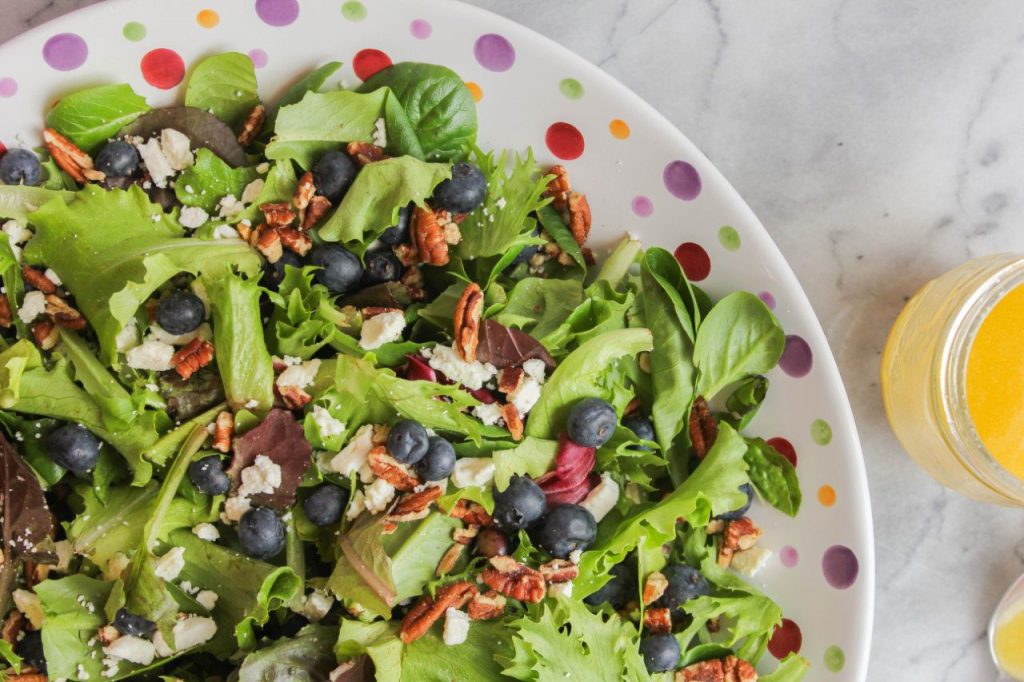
[[368, 62], [785, 448], [787, 639], [163, 68], [565, 141], [695, 261]]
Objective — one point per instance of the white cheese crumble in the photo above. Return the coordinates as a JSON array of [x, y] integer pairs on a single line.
[[28, 603], [116, 565], [234, 508], [263, 476], [526, 395], [473, 472], [316, 605], [193, 631], [131, 648], [177, 149], [500, 203], [380, 133], [263, 168], [603, 498], [472, 375], [353, 456], [206, 531], [252, 191], [456, 626], [33, 305], [192, 217], [207, 599], [225, 232], [299, 376], [17, 235], [151, 355], [170, 564], [128, 337], [535, 369], [489, 414], [52, 276], [381, 329], [230, 207], [749, 562], [327, 425], [575, 555], [157, 164], [158, 333], [563, 590], [356, 505], [379, 495]]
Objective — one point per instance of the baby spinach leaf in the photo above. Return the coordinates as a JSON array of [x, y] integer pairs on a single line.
[[209, 180], [307, 657], [539, 306], [742, 406], [224, 85], [91, 116], [774, 476], [664, 270], [553, 224]]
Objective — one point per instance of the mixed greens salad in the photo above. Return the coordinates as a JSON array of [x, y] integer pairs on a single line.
[[318, 389]]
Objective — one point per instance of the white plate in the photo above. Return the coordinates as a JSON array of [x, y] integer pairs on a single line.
[[640, 174]]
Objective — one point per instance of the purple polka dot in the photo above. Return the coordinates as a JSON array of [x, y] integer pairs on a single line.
[[767, 298], [789, 556], [259, 58], [642, 206], [840, 566], [494, 52], [8, 86], [65, 51], [796, 359], [277, 12], [420, 28], [682, 180]]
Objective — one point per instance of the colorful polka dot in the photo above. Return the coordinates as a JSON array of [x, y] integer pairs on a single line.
[[642, 206], [475, 90], [8, 87], [729, 238], [826, 495], [565, 141], [277, 12], [163, 68], [821, 432], [353, 10], [787, 639], [840, 566], [695, 261], [420, 29], [789, 556], [784, 448], [571, 88], [797, 358], [134, 31], [835, 659], [368, 62], [767, 298], [682, 180], [65, 51], [494, 52], [207, 18], [259, 57], [618, 128]]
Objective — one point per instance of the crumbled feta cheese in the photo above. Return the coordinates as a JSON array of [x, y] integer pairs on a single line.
[[193, 631], [225, 232], [177, 148], [157, 164], [28, 603], [199, 289], [152, 355], [327, 425], [230, 207], [33, 305], [381, 329], [188, 588], [234, 508], [603, 498], [81, 672], [116, 565], [251, 404], [263, 168], [160, 644], [456, 626], [563, 590], [252, 191], [65, 552], [489, 414], [472, 375], [291, 360], [500, 203], [749, 562], [16, 234], [131, 648], [128, 337], [379, 495], [158, 333], [535, 370], [356, 505], [207, 599], [170, 564], [192, 217], [52, 276], [263, 476], [575, 555], [299, 376], [526, 396], [316, 605], [206, 531], [473, 472], [380, 133]]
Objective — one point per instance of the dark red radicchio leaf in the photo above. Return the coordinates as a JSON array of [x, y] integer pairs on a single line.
[[573, 476], [281, 438], [505, 347], [201, 127]]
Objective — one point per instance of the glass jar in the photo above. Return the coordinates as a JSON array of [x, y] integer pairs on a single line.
[[924, 377]]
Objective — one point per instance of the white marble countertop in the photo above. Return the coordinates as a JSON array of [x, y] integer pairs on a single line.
[[881, 143]]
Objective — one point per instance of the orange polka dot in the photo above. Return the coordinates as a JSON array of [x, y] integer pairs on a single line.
[[619, 128], [207, 18], [826, 495], [475, 90]]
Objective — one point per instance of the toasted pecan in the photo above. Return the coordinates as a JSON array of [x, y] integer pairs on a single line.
[[658, 620], [63, 314], [486, 606], [5, 312], [559, 571], [468, 311], [464, 536], [198, 353], [12, 626], [413, 506], [513, 421], [305, 190], [703, 427], [558, 187], [293, 397], [391, 470], [27, 677], [470, 513], [408, 255], [428, 610], [223, 430], [728, 669], [510, 379], [70, 158], [513, 579], [428, 235], [579, 217], [253, 125], [739, 535], [36, 278], [295, 240], [278, 213], [449, 559], [318, 207], [654, 586], [267, 241], [45, 334], [364, 152]]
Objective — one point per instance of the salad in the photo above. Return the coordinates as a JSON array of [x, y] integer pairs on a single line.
[[317, 389]]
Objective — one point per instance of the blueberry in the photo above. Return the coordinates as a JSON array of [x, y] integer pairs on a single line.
[[617, 591], [382, 265], [127, 623], [261, 533], [325, 505], [207, 475], [399, 232], [180, 312], [30, 648], [273, 273], [684, 583], [465, 191], [20, 167], [492, 542], [519, 505], [340, 269], [117, 159], [439, 460], [592, 422], [747, 490], [661, 652], [566, 528], [639, 425], [333, 175], [73, 447], [408, 441]]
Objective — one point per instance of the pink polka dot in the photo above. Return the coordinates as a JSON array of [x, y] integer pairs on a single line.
[[787, 639], [797, 358], [259, 58], [682, 180], [789, 556], [368, 62], [784, 448], [767, 298], [565, 141], [8, 87], [840, 566], [695, 261], [65, 51], [277, 12], [642, 206], [494, 52], [420, 28], [163, 68]]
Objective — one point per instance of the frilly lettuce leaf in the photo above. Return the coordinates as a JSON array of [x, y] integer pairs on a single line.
[[116, 403], [225, 85], [18, 201], [533, 456], [791, 669], [91, 116], [209, 180], [10, 273], [307, 657], [540, 306]]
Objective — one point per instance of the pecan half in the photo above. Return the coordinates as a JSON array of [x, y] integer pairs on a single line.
[[252, 126], [703, 427], [72, 160], [513, 422], [45, 334], [428, 610], [415, 505], [464, 536], [5, 312], [728, 669], [14, 624], [27, 677], [658, 620], [513, 579], [295, 240], [277, 214], [558, 187], [293, 397], [579, 217], [467, 322], [391, 470], [267, 241], [428, 234], [223, 429], [470, 513], [408, 256], [448, 561], [510, 379], [63, 314], [37, 279], [486, 606], [198, 353], [739, 535], [559, 571], [304, 191], [364, 153], [318, 207], [654, 587]]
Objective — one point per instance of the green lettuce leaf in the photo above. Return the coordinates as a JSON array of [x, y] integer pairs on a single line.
[[311, 82], [540, 306], [209, 180], [553, 224], [532, 456], [377, 640], [304, 318], [791, 669], [774, 476], [91, 116], [744, 402], [307, 657], [71, 625], [604, 310], [18, 201], [224, 85], [114, 401], [10, 279], [615, 269]]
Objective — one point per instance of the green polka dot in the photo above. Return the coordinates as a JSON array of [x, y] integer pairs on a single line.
[[353, 10], [835, 659], [729, 237], [134, 31], [821, 432], [571, 88]]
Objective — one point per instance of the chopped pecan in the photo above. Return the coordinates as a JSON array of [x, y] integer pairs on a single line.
[[513, 579], [428, 234], [579, 217], [380, 434], [450, 230], [408, 256], [27, 676], [391, 470], [513, 422], [467, 322], [318, 207], [464, 536], [198, 353], [703, 427], [223, 429], [14, 624], [45, 333], [107, 634], [244, 229], [740, 534], [36, 278], [654, 587], [277, 214], [295, 240], [414, 504], [486, 606], [510, 379], [364, 152], [63, 314], [70, 158], [413, 276], [429, 609], [304, 191], [558, 187], [559, 571], [267, 241], [5, 312], [470, 513], [658, 620], [448, 561], [252, 126], [293, 397], [728, 669], [715, 526]]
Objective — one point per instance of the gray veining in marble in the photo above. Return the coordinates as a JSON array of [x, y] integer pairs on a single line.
[[881, 142]]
